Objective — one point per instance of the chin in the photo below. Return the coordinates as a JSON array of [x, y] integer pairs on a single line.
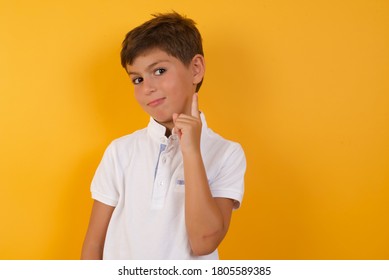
[[162, 120]]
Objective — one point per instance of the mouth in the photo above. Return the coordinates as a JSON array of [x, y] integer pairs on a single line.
[[156, 102]]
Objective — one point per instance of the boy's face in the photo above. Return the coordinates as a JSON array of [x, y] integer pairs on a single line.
[[164, 85]]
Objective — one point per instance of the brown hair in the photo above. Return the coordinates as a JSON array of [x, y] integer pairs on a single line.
[[170, 32]]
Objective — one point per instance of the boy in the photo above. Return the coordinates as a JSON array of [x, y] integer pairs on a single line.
[[166, 191]]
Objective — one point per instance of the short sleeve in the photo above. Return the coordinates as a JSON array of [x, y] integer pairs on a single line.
[[105, 183], [229, 182]]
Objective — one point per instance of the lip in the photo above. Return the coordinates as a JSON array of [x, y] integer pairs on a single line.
[[156, 102]]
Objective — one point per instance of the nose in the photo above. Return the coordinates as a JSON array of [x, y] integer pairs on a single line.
[[148, 86]]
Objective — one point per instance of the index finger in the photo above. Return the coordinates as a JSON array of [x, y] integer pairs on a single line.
[[195, 106]]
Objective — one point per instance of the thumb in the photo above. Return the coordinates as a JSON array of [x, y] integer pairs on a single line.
[[175, 116], [175, 130]]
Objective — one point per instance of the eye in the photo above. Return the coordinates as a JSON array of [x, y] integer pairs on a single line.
[[159, 71], [137, 80]]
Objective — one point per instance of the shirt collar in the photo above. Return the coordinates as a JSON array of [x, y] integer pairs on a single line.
[[157, 131]]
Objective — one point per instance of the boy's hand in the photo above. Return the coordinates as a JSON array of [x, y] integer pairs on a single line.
[[188, 128]]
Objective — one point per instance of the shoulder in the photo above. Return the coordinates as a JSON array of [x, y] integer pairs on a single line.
[[225, 163], [219, 152], [124, 145], [215, 142], [129, 139]]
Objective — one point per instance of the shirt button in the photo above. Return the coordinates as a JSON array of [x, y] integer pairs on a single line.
[[164, 160], [161, 183]]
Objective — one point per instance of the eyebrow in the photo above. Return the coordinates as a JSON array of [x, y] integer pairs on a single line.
[[152, 65]]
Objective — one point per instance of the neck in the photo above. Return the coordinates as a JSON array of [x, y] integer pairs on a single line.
[[168, 132], [168, 127]]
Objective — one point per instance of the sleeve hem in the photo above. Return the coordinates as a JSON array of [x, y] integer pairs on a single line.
[[236, 196], [104, 199]]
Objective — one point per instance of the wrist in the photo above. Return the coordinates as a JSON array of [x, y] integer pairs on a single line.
[[192, 153]]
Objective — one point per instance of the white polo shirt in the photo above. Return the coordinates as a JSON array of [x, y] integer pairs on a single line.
[[142, 176]]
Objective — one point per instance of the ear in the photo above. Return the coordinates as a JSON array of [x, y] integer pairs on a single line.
[[198, 68]]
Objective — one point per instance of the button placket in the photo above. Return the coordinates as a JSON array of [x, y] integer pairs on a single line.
[[162, 176]]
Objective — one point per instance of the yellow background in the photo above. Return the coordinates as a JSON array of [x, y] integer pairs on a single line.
[[302, 85]]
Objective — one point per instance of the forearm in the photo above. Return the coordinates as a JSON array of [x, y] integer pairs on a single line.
[[91, 251], [204, 220], [93, 246], [207, 218]]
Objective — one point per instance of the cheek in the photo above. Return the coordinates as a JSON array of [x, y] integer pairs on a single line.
[[168, 85], [138, 97], [177, 86]]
